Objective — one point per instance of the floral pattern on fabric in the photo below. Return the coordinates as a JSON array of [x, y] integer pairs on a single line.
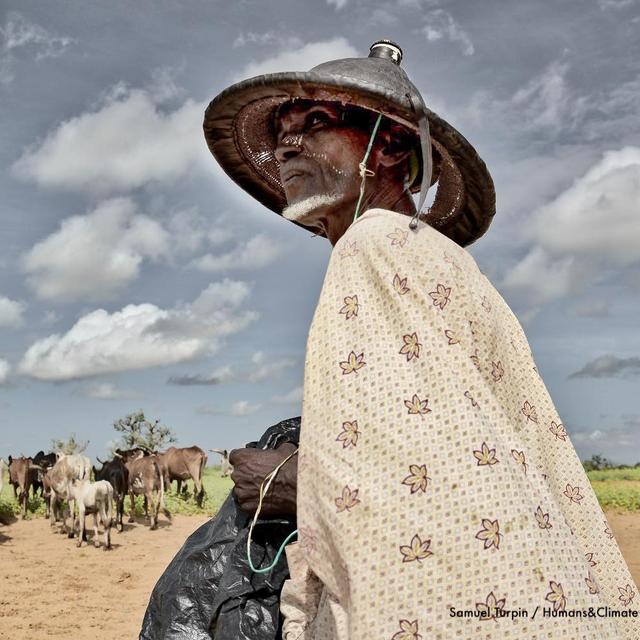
[[458, 485]]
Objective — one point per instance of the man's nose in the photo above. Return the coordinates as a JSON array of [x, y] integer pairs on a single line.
[[288, 147]]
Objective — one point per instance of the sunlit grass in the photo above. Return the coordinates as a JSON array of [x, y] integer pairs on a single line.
[[615, 489]]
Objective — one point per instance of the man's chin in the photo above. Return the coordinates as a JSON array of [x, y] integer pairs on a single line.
[[308, 210]]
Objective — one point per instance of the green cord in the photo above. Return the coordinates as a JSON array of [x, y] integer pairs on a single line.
[[273, 564], [363, 167]]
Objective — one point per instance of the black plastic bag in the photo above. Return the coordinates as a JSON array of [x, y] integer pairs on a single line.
[[208, 590]]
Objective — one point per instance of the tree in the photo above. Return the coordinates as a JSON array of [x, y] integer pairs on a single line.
[[137, 431], [69, 446], [597, 463]]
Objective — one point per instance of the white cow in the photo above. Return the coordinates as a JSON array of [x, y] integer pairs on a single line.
[[59, 478], [94, 498], [225, 466]]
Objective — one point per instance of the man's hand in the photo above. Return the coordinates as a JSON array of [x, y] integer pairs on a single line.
[[251, 466]]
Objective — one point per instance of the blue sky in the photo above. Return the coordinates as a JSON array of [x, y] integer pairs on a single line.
[[135, 274]]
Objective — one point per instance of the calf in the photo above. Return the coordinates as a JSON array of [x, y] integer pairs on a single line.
[[116, 473], [59, 478], [21, 473], [93, 498]]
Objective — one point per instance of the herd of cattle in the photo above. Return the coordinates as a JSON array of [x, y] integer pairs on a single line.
[[137, 472]]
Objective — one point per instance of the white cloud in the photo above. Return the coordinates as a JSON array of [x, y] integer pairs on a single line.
[[261, 370], [267, 38], [94, 256], [617, 444], [338, 4], [141, 336], [440, 24], [243, 408], [590, 231], [108, 391], [609, 366], [265, 370], [11, 312], [542, 106], [300, 58], [126, 143], [5, 369], [190, 230], [255, 253], [18, 34], [615, 4], [219, 376], [292, 397], [208, 410], [545, 100]]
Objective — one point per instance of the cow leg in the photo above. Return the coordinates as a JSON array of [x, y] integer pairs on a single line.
[[154, 509], [53, 509], [106, 517], [120, 512], [96, 540], [195, 470], [24, 497], [81, 523], [72, 513], [198, 490], [146, 506], [132, 504], [179, 487]]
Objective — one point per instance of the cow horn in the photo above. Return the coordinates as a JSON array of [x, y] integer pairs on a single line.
[[100, 461], [117, 455]]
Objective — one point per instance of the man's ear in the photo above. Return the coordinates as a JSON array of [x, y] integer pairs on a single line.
[[386, 152]]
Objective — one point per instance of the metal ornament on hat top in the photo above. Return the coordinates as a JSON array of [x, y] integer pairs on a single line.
[[386, 49], [389, 50]]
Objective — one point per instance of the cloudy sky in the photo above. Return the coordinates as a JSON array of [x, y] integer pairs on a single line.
[[135, 274]]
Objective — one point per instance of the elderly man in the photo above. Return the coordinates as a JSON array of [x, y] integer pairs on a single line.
[[437, 493]]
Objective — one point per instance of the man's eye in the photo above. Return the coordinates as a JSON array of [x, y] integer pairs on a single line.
[[316, 120]]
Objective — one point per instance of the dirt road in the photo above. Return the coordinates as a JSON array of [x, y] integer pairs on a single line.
[[51, 590]]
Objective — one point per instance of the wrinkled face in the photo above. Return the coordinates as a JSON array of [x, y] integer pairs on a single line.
[[318, 154]]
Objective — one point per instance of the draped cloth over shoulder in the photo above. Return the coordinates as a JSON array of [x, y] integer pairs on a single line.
[[434, 469]]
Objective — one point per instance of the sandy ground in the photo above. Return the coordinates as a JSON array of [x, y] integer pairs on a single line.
[[51, 589]]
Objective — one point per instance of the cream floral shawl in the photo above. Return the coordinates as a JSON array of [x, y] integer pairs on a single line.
[[435, 474]]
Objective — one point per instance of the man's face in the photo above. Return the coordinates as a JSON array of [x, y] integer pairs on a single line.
[[318, 155]]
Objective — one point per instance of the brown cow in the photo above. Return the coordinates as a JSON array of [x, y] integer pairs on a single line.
[[116, 473], [44, 463], [21, 474], [182, 464], [145, 478]]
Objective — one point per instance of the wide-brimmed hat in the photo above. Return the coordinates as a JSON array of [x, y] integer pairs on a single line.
[[240, 132]]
